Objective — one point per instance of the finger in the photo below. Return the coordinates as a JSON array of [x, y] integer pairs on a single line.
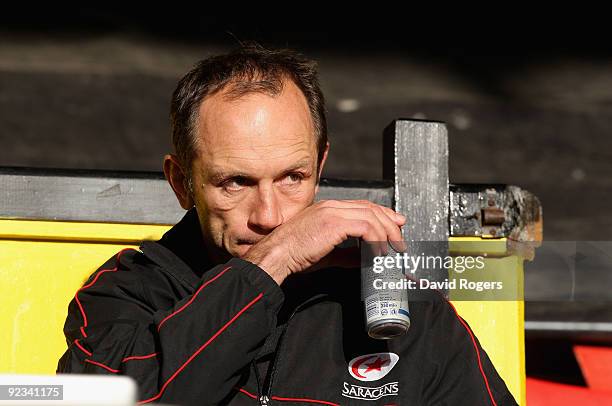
[[394, 216], [397, 218], [366, 226], [390, 230], [394, 234]]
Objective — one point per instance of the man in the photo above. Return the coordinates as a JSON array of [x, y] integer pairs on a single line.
[[244, 299]]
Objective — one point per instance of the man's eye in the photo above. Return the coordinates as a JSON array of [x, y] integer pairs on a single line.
[[234, 184], [293, 179]]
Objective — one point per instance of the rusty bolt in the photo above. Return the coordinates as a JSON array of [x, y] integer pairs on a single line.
[[493, 216]]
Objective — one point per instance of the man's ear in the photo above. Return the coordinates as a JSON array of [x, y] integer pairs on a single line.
[[177, 178], [321, 165]]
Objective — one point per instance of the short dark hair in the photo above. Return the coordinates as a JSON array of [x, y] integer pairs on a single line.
[[250, 68]]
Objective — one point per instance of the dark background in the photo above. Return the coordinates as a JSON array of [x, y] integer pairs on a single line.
[[528, 100]]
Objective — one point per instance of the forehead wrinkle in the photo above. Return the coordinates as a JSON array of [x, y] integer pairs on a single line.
[[301, 162], [229, 160], [260, 152]]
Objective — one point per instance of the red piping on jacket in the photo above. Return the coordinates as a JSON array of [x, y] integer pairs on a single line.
[[76, 342], [249, 394], [199, 350], [126, 359], [305, 400], [192, 298], [322, 402], [76, 296], [138, 357], [103, 366], [482, 372]]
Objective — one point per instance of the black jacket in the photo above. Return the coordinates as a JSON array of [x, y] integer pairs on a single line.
[[192, 332]]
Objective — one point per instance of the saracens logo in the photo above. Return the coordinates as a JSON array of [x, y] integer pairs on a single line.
[[372, 367]]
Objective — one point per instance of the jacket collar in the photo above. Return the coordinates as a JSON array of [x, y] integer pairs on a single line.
[[181, 250]]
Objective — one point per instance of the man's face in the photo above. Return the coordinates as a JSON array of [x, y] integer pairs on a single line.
[[255, 166]]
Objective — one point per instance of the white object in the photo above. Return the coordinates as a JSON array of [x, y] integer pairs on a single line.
[[81, 390]]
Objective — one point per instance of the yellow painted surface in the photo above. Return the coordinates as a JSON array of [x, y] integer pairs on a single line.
[[79, 232], [43, 263], [38, 278], [498, 324]]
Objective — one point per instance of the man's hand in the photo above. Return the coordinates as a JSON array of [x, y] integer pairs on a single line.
[[310, 236]]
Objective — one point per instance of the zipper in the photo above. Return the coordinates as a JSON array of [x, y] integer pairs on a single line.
[[265, 398]]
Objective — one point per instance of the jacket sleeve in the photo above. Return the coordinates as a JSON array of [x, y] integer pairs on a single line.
[[462, 371], [194, 351]]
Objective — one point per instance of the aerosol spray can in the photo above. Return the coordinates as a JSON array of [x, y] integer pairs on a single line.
[[386, 310]]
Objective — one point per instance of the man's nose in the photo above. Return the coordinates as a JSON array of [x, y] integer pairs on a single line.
[[266, 213]]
